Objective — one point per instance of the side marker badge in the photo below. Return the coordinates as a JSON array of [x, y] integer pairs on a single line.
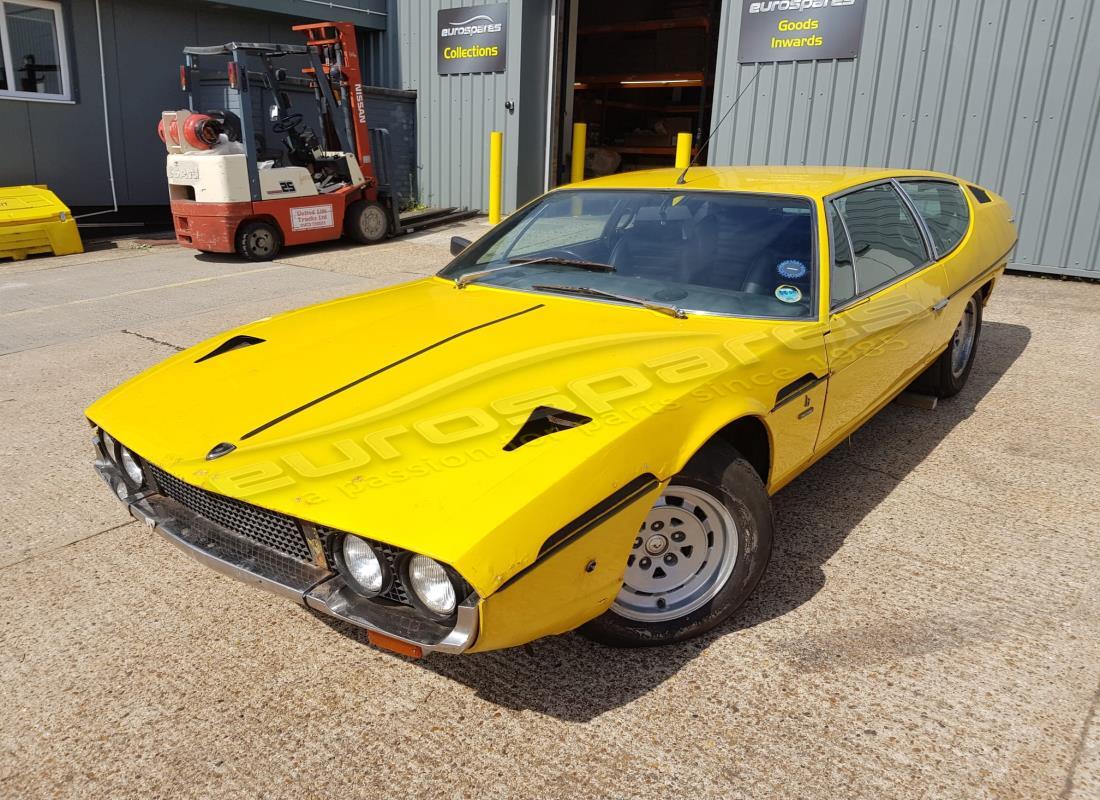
[[219, 450]]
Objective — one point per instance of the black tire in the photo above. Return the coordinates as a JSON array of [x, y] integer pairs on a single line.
[[718, 471], [948, 373], [366, 222], [258, 241]]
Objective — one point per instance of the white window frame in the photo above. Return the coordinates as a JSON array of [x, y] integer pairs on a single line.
[[62, 55]]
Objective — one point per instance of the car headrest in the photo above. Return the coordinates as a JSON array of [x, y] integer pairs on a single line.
[[660, 226], [677, 213]]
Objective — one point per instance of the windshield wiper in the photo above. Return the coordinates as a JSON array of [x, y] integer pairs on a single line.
[[588, 291], [591, 266], [594, 266]]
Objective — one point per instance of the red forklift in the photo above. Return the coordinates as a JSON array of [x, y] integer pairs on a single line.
[[263, 158]]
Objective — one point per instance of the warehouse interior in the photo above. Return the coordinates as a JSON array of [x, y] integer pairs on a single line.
[[636, 74]]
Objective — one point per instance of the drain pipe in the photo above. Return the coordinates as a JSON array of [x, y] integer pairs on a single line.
[[106, 121]]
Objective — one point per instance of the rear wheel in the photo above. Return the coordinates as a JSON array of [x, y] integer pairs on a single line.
[[258, 241], [947, 375], [367, 222], [699, 554]]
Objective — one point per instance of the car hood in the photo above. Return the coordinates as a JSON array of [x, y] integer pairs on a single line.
[[388, 413]]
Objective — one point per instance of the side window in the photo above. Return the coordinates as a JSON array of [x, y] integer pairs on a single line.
[[842, 279], [944, 210], [885, 238], [33, 56]]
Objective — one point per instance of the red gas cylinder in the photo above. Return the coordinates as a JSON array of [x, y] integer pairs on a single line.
[[201, 131]]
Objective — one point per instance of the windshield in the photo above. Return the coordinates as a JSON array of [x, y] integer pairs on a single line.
[[714, 252]]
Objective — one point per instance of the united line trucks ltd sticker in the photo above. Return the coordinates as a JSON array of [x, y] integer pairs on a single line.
[[310, 217]]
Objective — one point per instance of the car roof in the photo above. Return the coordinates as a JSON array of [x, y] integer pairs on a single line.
[[793, 180]]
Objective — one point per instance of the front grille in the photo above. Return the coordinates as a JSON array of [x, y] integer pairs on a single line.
[[396, 591], [277, 531]]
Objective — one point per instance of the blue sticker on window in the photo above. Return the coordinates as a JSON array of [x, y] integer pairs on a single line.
[[788, 294], [791, 269]]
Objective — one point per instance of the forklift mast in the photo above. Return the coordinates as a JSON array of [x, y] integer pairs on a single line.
[[338, 89]]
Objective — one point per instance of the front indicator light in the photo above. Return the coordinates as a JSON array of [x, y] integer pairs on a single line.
[[394, 645], [133, 469], [432, 585], [363, 566]]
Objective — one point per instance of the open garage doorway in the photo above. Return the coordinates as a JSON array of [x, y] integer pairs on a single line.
[[636, 73]]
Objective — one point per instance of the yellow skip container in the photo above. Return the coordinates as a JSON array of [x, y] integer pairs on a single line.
[[33, 220]]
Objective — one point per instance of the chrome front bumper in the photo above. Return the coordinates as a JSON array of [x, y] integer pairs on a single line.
[[315, 587]]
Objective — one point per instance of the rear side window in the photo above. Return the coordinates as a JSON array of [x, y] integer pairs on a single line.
[[886, 241], [842, 277], [944, 210]]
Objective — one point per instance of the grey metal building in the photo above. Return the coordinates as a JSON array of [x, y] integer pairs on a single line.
[[1002, 92]]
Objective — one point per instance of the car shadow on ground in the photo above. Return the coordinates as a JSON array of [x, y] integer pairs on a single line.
[[575, 680]]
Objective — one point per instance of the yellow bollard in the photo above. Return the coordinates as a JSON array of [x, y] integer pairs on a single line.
[[496, 161], [683, 150], [580, 133]]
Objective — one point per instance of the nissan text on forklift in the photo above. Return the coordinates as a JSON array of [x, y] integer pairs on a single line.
[[231, 191]]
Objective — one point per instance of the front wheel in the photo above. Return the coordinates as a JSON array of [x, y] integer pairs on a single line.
[[367, 222], [699, 554]]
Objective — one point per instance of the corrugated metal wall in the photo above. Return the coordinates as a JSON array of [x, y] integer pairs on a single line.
[[1002, 92], [457, 112]]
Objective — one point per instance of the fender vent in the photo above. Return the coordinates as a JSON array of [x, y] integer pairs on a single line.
[[544, 421], [236, 343]]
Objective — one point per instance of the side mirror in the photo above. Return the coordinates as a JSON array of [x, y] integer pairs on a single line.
[[458, 244]]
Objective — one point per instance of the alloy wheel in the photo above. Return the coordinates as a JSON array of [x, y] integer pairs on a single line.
[[963, 342], [682, 557]]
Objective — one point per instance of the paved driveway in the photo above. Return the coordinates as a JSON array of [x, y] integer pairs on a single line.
[[929, 625]]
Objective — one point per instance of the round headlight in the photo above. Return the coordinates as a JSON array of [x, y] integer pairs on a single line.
[[432, 585], [132, 467], [363, 565], [110, 447]]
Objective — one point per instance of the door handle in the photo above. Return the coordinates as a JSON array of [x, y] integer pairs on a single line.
[[941, 305]]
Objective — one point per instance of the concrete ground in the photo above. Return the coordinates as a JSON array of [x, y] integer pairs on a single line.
[[929, 625]]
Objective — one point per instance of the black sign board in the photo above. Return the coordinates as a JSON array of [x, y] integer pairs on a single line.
[[471, 39], [800, 30]]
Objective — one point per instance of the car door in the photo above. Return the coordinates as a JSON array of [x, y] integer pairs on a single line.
[[883, 286], [944, 209]]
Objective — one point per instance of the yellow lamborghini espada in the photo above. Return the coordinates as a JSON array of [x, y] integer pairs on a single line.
[[578, 422]]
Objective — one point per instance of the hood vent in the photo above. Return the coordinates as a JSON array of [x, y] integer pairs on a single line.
[[236, 343], [544, 421]]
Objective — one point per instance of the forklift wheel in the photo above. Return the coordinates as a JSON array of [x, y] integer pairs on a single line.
[[367, 222], [258, 241]]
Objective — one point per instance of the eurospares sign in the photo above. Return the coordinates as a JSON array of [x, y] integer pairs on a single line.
[[472, 39], [800, 30]]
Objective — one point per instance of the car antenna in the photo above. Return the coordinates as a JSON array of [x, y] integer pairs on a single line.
[[683, 175]]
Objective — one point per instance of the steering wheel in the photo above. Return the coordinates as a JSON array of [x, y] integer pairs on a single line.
[[287, 124]]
